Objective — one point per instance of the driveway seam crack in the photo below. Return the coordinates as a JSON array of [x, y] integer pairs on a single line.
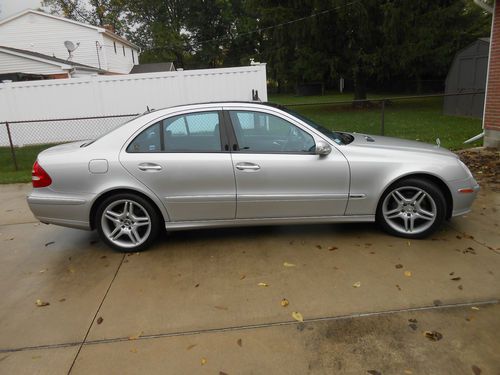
[[96, 313]]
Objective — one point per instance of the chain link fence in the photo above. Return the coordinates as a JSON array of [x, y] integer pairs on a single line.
[[449, 117]]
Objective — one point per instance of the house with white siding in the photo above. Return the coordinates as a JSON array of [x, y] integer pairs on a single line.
[[45, 34]]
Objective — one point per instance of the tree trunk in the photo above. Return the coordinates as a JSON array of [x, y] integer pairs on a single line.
[[359, 85]]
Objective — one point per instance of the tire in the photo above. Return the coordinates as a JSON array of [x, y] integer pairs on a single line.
[[127, 222], [411, 208]]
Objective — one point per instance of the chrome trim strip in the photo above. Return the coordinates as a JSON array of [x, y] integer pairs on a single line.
[[55, 201], [181, 225], [289, 197], [201, 198]]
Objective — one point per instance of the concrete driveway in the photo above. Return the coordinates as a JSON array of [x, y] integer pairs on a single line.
[[210, 301]]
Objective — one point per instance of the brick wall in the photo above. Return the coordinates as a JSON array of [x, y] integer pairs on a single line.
[[492, 107]]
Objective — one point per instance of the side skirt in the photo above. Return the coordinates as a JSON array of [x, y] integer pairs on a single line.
[[181, 225]]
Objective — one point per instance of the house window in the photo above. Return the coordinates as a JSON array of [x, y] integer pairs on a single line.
[[133, 57], [123, 47], [114, 45]]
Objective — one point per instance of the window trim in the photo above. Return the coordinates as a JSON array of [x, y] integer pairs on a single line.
[[234, 140], [222, 134], [114, 45], [123, 47]]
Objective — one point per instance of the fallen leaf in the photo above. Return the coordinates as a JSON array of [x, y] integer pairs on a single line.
[[203, 361], [319, 247], [298, 316], [136, 336], [374, 372], [475, 308], [412, 320], [408, 273], [398, 266], [221, 307], [452, 273], [409, 243], [399, 288], [476, 370], [197, 285], [100, 320], [433, 335], [62, 300], [368, 244], [456, 278], [49, 243], [41, 303], [332, 248], [286, 264], [357, 284], [413, 326], [222, 373], [263, 284], [242, 277], [461, 287], [240, 343], [437, 302], [190, 346], [408, 372], [284, 302], [44, 270], [103, 257], [133, 350]]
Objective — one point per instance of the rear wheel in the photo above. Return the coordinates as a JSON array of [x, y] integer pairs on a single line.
[[127, 222], [411, 208]]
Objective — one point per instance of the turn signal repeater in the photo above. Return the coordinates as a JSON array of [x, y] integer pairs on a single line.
[[466, 190], [39, 178]]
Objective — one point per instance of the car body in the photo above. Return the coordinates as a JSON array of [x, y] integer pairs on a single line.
[[234, 164]]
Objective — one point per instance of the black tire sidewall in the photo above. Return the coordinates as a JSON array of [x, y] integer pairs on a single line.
[[155, 221], [430, 188]]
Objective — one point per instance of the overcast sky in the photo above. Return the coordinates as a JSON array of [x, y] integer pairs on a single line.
[[10, 7]]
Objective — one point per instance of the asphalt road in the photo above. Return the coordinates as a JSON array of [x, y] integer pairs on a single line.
[[193, 303]]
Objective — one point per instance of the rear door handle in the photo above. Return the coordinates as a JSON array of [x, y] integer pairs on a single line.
[[149, 167], [247, 166]]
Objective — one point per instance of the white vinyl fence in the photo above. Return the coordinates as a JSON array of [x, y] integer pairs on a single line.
[[115, 95]]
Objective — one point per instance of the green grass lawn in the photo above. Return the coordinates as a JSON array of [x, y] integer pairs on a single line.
[[26, 156], [417, 119]]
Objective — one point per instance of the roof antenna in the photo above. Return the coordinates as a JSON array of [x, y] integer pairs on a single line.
[[71, 47]]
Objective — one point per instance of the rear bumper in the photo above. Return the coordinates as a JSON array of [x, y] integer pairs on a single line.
[[462, 201], [61, 209]]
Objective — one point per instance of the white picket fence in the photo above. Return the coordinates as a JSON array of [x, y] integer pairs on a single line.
[[118, 95]]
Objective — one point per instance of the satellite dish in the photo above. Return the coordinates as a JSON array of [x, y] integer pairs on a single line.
[[70, 46]]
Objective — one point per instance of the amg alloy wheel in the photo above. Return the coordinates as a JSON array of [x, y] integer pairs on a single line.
[[412, 208], [127, 222]]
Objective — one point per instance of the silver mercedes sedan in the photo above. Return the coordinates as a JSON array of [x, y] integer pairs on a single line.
[[236, 164]]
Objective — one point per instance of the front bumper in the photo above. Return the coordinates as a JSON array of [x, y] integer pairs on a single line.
[[463, 193], [69, 210]]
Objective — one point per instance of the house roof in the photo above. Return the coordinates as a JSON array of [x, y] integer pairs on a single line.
[[64, 64], [154, 67], [97, 28]]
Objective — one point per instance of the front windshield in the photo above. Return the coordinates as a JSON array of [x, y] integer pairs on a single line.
[[338, 137]]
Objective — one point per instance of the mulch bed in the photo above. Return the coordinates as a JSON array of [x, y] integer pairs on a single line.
[[484, 163]]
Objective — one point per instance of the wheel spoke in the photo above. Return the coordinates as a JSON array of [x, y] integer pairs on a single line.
[[398, 197], [141, 221], [135, 235], [392, 214], [112, 216], [116, 233], [406, 221], [424, 214], [412, 222]]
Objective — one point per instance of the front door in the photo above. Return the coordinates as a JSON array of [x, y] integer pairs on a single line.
[[184, 161], [278, 173]]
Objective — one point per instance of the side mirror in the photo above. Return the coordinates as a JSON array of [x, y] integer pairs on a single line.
[[323, 148]]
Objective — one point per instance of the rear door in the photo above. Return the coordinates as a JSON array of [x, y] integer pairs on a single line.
[[185, 160], [277, 171]]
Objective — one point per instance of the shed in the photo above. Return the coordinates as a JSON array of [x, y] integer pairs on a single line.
[[467, 74]]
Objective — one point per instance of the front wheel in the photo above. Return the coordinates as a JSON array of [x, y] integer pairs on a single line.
[[412, 208], [127, 222]]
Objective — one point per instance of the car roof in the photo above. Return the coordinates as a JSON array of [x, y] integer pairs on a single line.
[[222, 103]]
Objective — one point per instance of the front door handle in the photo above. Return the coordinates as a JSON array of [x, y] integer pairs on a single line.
[[149, 167], [247, 166]]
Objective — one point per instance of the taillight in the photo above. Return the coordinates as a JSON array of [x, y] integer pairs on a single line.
[[39, 177]]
